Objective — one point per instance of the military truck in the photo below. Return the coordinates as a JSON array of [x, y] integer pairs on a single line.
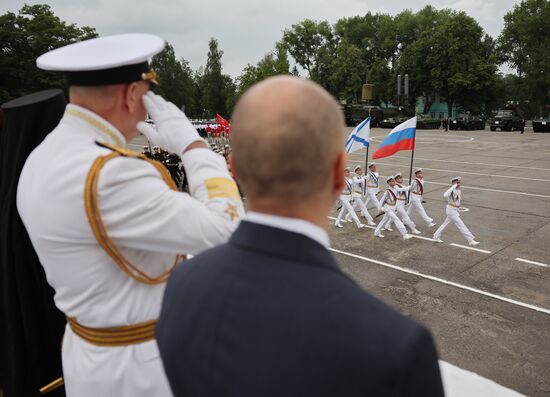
[[467, 123], [355, 113], [541, 125], [507, 120]]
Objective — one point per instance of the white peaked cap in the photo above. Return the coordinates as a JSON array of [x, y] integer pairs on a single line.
[[398, 174], [356, 168], [418, 170], [371, 164], [456, 178], [389, 178], [104, 60]]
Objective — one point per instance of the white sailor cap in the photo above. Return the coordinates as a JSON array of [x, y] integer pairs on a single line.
[[455, 179], [417, 170], [356, 168], [346, 169], [390, 178], [371, 164], [397, 175], [116, 59]]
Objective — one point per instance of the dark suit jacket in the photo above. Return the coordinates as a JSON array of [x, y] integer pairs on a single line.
[[271, 314]]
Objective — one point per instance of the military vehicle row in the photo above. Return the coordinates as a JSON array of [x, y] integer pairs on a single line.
[[423, 122]]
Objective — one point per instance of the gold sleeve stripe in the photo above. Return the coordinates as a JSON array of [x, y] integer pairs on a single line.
[[222, 188]]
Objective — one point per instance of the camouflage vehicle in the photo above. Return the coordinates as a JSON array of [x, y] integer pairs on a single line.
[[392, 122], [507, 120], [425, 122], [541, 125], [355, 113], [467, 123]]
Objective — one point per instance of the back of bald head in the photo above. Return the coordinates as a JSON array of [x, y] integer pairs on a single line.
[[286, 137]]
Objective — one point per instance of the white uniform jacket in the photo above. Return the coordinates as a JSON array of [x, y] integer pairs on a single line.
[[359, 186], [373, 182], [417, 188], [453, 196], [149, 223], [347, 192]]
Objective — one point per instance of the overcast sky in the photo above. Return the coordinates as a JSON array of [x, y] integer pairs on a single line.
[[245, 29]]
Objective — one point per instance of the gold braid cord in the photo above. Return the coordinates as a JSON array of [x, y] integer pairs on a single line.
[[91, 201]]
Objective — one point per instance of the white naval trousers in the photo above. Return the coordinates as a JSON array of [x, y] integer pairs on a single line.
[[346, 207], [371, 196], [402, 214], [416, 205], [453, 216], [390, 216], [358, 202]]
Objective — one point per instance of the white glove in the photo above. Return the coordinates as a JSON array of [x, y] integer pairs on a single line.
[[173, 132]]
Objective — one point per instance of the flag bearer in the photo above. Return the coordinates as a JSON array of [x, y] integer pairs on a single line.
[[453, 196], [401, 202], [388, 203], [417, 190], [359, 191], [346, 197]]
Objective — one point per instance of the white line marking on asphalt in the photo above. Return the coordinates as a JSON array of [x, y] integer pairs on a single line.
[[443, 281], [470, 248], [474, 173], [466, 162], [532, 262], [432, 139], [429, 239], [481, 188]]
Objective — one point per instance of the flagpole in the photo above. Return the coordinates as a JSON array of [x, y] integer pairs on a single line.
[[410, 175], [367, 160]]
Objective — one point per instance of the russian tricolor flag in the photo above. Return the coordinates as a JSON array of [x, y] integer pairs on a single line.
[[400, 138]]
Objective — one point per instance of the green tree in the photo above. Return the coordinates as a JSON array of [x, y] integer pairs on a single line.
[[175, 78], [218, 89], [26, 35], [305, 40], [525, 45]]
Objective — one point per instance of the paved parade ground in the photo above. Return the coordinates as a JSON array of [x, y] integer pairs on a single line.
[[489, 306]]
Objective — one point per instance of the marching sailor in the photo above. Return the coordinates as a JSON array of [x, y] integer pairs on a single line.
[[388, 203], [373, 185], [109, 225], [401, 202], [360, 191], [453, 196], [417, 190], [346, 197]]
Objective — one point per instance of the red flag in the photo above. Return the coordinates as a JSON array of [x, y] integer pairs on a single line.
[[221, 120]]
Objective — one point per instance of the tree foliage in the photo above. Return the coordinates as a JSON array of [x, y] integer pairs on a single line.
[[525, 46], [26, 35]]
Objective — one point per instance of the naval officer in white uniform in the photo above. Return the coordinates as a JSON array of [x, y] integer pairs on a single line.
[[417, 190], [107, 224], [453, 195]]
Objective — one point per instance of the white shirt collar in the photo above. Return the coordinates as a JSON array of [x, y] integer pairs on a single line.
[[295, 225], [107, 131]]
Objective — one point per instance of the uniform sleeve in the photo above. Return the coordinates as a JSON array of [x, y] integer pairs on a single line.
[[449, 191], [402, 189], [383, 200], [140, 210], [421, 367]]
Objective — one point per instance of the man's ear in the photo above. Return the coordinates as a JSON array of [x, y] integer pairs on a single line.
[[131, 97], [338, 172], [232, 167]]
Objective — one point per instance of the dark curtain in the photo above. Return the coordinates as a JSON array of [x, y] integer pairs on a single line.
[[31, 326]]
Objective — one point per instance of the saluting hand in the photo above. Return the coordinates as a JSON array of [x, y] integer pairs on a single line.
[[173, 132]]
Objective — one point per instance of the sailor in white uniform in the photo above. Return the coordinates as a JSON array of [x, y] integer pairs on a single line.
[[402, 197], [359, 191], [346, 197], [388, 203], [373, 186], [107, 223], [417, 193], [453, 196]]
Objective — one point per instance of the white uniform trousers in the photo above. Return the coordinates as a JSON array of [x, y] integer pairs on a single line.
[[402, 214], [358, 202], [371, 197], [416, 205], [346, 207], [454, 217], [390, 216]]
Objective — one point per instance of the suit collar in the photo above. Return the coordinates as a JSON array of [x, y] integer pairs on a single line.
[[283, 244]]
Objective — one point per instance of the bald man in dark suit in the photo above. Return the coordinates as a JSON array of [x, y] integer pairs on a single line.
[[270, 313]]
